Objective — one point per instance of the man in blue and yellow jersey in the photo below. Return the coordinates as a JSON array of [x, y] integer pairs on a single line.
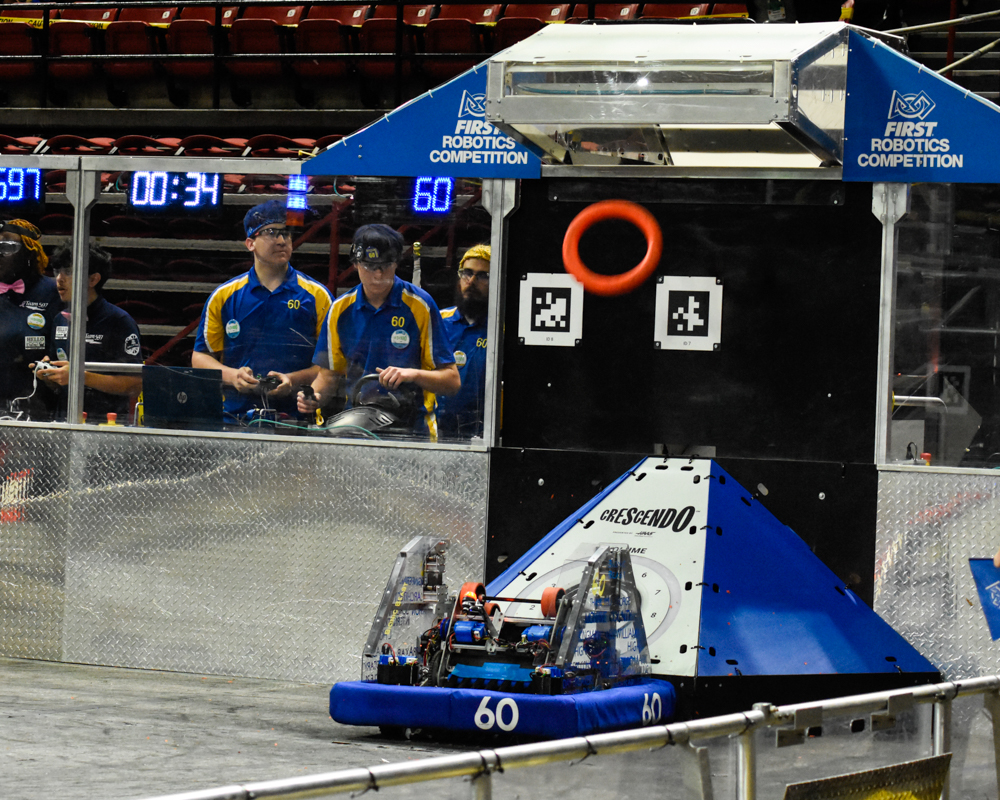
[[461, 416], [264, 323], [386, 326]]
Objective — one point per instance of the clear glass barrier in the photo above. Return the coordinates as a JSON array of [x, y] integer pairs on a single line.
[[169, 241], [947, 329]]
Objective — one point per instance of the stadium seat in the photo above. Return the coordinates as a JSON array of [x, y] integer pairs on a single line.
[[674, 10], [20, 145], [56, 224], [126, 268], [70, 144], [456, 29], [261, 30], [138, 145], [729, 10], [77, 32], [192, 32], [605, 11], [270, 145], [20, 39], [137, 31], [378, 35], [206, 145], [327, 29], [129, 226], [520, 22]]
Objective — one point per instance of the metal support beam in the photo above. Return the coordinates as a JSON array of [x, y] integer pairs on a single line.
[[890, 202], [81, 190]]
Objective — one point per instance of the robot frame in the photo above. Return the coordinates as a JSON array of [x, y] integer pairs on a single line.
[[577, 661]]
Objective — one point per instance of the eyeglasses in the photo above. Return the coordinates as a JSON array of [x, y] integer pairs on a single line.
[[374, 267], [471, 274], [9, 247], [275, 233]]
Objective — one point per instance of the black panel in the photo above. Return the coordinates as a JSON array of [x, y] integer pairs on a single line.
[[714, 696], [832, 506], [796, 374]]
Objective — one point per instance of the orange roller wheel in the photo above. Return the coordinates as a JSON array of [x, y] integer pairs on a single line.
[[476, 589], [490, 608], [610, 285], [551, 596]]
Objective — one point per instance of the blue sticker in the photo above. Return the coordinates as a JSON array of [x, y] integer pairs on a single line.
[[987, 579]]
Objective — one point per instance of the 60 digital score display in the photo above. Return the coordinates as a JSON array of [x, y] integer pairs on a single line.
[[184, 192], [432, 195]]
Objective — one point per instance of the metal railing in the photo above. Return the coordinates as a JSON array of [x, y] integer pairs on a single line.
[[794, 720]]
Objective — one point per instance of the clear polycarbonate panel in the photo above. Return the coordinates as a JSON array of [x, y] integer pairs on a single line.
[[947, 329]]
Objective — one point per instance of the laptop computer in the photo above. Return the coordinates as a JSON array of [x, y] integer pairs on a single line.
[[182, 398]]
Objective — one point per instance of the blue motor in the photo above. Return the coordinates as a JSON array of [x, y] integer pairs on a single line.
[[468, 632]]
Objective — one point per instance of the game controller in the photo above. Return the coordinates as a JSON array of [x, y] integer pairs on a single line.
[[43, 365], [269, 383]]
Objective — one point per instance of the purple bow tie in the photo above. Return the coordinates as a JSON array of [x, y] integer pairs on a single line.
[[17, 287]]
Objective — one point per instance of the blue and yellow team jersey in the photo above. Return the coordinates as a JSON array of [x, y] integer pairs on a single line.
[[245, 325], [405, 331], [461, 415]]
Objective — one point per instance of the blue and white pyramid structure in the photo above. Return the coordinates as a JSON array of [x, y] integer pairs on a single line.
[[727, 590]]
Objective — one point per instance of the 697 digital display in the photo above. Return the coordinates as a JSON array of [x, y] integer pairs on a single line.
[[175, 192], [21, 189]]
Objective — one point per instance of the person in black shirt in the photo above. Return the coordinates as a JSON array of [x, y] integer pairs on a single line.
[[112, 336], [29, 303]]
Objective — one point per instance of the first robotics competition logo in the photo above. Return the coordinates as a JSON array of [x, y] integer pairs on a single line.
[[910, 139], [476, 141]]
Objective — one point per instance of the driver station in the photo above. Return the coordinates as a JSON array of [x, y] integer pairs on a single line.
[[768, 249]]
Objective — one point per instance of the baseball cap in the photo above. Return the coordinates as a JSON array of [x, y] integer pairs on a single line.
[[269, 213]]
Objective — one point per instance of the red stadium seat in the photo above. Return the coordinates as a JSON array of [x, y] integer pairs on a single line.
[[70, 144], [20, 145], [270, 145], [674, 10], [77, 33], [378, 35], [204, 145], [19, 39], [478, 14], [138, 145], [260, 30], [606, 11], [520, 22], [457, 29], [729, 10], [327, 29], [137, 31], [193, 33]]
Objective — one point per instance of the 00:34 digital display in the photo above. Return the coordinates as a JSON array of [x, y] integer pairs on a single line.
[[191, 191]]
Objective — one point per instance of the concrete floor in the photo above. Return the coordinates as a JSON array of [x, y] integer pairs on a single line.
[[71, 731]]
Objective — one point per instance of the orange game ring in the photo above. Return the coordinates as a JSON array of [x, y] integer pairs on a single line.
[[611, 285]]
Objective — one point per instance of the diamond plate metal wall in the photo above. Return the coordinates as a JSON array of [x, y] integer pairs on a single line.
[[226, 556], [929, 525]]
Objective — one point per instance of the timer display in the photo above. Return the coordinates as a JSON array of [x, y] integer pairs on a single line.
[[21, 187], [175, 191]]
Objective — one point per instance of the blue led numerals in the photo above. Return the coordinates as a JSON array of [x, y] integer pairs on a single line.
[[433, 194], [20, 185], [198, 185], [169, 189]]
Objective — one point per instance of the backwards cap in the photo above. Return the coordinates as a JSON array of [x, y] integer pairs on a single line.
[[269, 213], [377, 244], [30, 236], [480, 251]]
